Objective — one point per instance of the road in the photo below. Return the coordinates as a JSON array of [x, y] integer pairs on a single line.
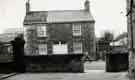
[[93, 71]]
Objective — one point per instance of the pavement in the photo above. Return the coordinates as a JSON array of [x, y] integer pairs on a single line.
[[93, 71], [4, 76]]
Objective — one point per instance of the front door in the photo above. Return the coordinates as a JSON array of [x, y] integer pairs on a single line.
[[60, 48]]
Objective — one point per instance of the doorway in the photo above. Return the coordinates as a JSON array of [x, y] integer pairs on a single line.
[[60, 48]]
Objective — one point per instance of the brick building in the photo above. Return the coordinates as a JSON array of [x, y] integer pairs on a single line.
[[59, 32]]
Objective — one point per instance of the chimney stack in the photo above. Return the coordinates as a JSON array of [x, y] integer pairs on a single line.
[[87, 5], [27, 6]]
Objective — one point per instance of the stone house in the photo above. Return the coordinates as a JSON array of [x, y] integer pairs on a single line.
[[59, 31]]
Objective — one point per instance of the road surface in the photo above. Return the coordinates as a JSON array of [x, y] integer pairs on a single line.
[[93, 71]]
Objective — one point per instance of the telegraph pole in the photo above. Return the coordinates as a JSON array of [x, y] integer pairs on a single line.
[[131, 25], [131, 70]]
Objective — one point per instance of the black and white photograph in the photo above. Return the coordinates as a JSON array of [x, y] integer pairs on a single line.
[[67, 40]]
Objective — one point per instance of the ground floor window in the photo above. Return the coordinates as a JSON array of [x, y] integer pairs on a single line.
[[77, 47], [42, 48], [60, 48]]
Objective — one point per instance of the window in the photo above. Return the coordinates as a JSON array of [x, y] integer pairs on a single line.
[[60, 48], [76, 28], [42, 48], [41, 31], [77, 47]]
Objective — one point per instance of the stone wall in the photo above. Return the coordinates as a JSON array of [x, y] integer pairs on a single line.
[[54, 63], [116, 61]]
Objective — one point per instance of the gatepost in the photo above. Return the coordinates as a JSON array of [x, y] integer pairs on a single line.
[[18, 53]]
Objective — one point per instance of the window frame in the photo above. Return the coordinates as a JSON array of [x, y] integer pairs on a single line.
[[77, 29], [40, 49], [42, 29]]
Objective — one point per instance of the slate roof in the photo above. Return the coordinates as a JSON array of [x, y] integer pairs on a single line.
[[7, 37], [10, 34], [58, 16], [121, 36]]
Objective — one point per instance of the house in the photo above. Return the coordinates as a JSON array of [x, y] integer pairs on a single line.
[[59, 31]]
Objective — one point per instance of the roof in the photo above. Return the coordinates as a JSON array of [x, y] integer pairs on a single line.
[[14, 30], [7, 37], [58, 16], [119, 49], [10, 33], [121, 36]]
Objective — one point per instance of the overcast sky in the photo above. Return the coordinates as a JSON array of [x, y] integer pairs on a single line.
[[108, 14]]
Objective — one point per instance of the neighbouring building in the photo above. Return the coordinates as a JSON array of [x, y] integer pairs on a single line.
[[59, 31], [10, 33], [120, 40]]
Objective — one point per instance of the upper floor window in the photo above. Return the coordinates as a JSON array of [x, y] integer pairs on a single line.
[[76, 29], [41, 31]]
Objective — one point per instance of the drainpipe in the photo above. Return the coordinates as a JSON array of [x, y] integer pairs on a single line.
[[131, 25]]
